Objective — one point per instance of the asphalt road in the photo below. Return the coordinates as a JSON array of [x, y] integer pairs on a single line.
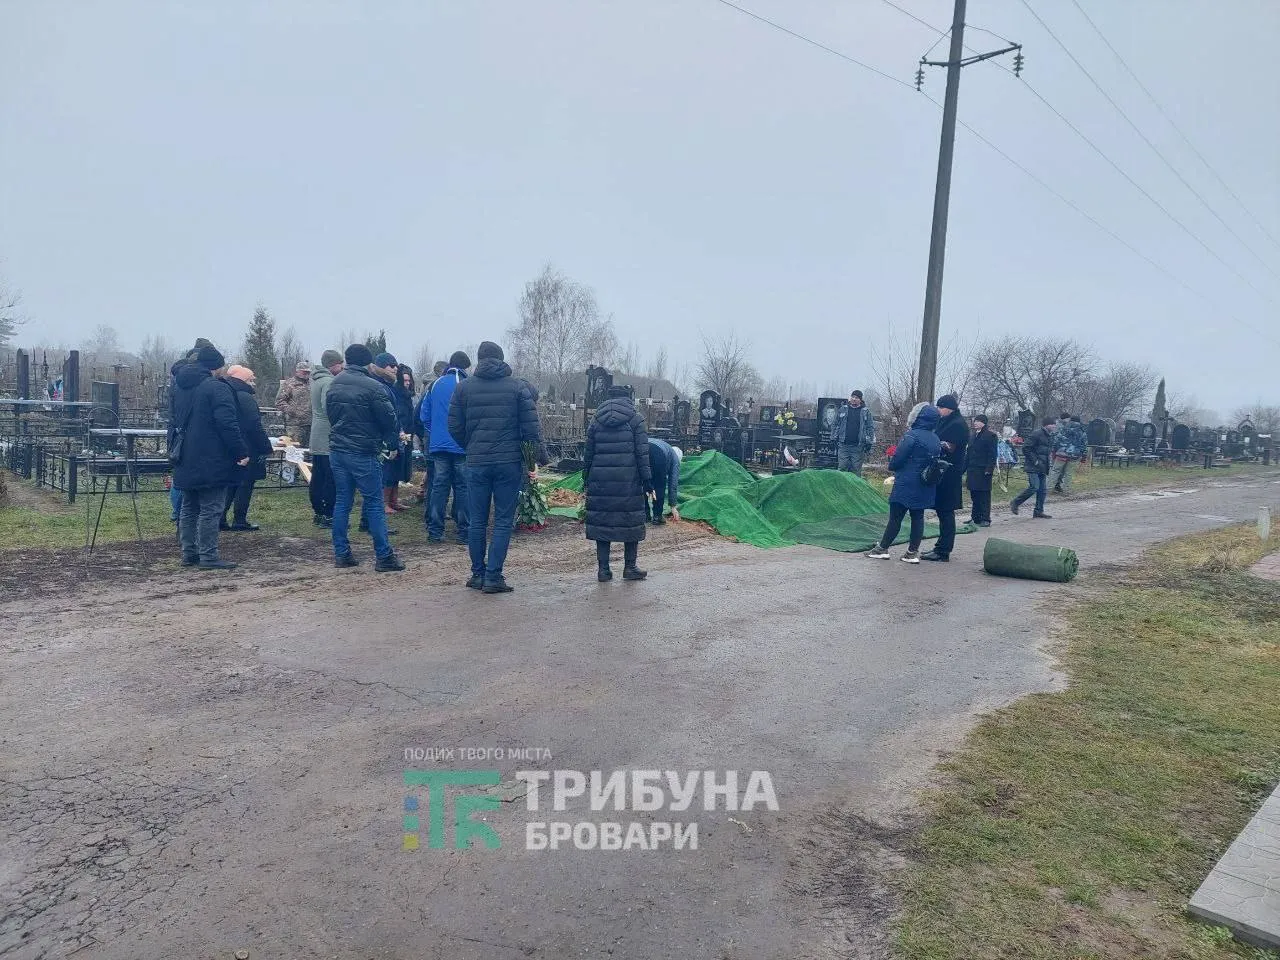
[[188, 771]]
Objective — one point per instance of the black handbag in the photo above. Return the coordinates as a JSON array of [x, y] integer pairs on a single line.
[[931, 474], [179, 440]]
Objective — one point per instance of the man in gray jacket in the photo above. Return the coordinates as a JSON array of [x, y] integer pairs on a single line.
[[853, 433], [321, 489]]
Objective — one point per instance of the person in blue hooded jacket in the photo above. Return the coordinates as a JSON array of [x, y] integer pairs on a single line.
[[447, 457], [911, 495]]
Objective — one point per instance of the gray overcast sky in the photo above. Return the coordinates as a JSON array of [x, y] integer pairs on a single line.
[[409, 165]]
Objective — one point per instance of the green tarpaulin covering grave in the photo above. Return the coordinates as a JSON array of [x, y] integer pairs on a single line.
[[825, 508]]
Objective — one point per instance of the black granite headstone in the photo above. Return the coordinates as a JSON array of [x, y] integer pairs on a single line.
[[709, 412], [1181, 437], [1099, 433], [1026, 423], [825, 452]]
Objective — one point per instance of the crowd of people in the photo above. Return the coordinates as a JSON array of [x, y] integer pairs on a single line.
[[360, 413], [363, 415], [942, 454]]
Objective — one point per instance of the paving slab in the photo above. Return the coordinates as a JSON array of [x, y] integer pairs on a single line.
[[1268, 567], [1243, 891]]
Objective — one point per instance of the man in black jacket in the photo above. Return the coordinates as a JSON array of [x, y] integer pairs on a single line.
[[1035, 460], [242, 380], [981, 467], [953, 432], [491, 416], [205, 436], [363, 429]]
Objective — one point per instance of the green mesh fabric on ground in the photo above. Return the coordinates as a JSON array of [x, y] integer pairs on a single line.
[[824, 508]]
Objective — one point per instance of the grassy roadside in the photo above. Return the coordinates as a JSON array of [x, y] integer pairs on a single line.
[[1076, 824], [38, 519]]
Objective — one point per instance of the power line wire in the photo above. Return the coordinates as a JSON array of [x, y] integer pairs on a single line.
[[815, 43], [1033, 177], [1147, 140], [1178, 130]]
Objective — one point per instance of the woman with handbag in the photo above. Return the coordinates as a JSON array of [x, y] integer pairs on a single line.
[[915, 478]]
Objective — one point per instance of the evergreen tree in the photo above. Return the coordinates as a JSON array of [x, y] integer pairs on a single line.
[[1158, 412], [376, 344], [259, 355]]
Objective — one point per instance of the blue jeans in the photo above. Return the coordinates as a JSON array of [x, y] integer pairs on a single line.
[[363, 472], [1036, 483], [448, 472], [175, 502], [498, 483]]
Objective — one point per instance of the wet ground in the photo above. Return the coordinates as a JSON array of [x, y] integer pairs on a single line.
[[195, 763]]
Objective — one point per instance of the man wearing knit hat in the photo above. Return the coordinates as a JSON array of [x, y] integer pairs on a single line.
[[491, 416], [953, 432], [853, 432], [321, 486], [362, 428], [206, 446]]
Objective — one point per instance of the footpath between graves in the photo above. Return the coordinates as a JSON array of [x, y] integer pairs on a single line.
[[1078, 823]]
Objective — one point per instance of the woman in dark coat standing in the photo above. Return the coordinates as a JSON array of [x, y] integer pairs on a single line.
[[911, 495], [953, 432], [617, 479], [242, 380], [981, 463]]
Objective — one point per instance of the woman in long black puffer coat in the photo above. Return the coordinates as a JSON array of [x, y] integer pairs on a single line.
[[618, 478]]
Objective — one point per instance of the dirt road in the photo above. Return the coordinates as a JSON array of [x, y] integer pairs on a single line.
[[193, 764]]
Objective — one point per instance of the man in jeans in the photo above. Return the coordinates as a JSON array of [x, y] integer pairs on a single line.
[[448, 458], [321, 487], [1035, 460], [491, 416], [853, 432], [363, 428], [205, 430]]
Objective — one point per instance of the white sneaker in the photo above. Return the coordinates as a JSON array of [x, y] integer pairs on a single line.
[[911, 556], [878, 553]]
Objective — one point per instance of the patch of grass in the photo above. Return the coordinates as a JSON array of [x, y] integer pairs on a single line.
[[40, 520], [1077, 824]]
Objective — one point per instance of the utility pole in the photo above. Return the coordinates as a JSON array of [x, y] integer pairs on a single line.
[[942, 194], [941, 205]]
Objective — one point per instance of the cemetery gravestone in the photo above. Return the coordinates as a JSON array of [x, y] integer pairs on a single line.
[[825, 453], [1099, 433], [599, 380], [1181, 437], [708, 417], [1132, 434], [1026, 423]]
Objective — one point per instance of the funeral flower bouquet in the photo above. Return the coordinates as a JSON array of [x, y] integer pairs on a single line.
[[531, 508]]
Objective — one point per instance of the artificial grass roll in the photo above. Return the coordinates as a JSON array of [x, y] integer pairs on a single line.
[[1005, 558]]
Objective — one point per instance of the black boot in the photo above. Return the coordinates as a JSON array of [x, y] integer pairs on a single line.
[[603, 573], [630, 553]]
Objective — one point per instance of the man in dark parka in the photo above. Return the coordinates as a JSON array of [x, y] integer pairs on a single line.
[[204, 426], [618, 478], [953, 432], [981, 468], [242, 381]]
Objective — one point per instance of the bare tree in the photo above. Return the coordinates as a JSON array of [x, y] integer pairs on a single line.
[[774, 390], [104, 343], [1118, 393], [1265, 419], [1187, 409], [423, 362], [628, 360], [726, 368], [157, 354], [894, 374], [682, 378], [658, 365], [9, 317], [560, 330], [1017, 373], [291, 350]]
